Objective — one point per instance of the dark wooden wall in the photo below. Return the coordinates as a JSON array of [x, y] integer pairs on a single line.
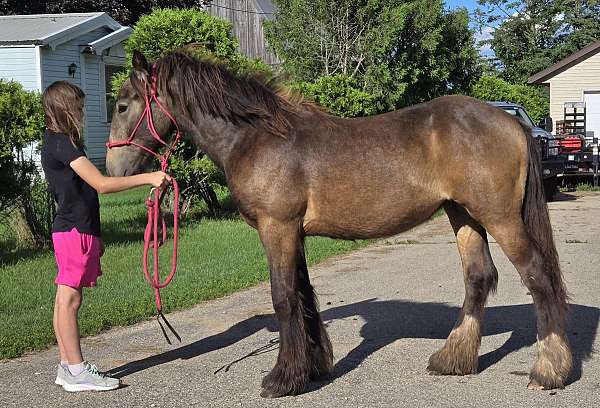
[[247, 19]]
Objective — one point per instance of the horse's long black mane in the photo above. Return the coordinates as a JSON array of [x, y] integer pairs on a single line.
[[195, 83]]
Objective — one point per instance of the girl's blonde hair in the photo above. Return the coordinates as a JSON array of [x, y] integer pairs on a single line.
[[63, 107]]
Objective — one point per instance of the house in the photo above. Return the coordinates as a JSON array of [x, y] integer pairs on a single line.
[[575, 79], [83, 48], [246, 17]]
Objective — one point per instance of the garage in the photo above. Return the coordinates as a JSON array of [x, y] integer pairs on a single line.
[[574, 79], [592, 107]]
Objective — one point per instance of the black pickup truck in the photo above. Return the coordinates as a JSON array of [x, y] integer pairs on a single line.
[[552, 163]]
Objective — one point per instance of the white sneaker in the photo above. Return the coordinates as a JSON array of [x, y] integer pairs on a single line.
[[61, 373], [88, 380]]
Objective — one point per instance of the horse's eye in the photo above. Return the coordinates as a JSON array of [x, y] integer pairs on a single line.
[[122, 107]]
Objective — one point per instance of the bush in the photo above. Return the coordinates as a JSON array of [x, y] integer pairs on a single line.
[[23, 193], [196, 175], [166, 30], [491, 88], [339, 94], [21, 123]]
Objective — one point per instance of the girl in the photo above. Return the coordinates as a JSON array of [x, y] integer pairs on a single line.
[[75, 183]]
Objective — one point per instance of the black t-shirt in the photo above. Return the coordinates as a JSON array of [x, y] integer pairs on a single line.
[[77, 202]]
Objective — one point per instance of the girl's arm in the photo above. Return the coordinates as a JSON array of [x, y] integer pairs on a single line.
[[102, 184]]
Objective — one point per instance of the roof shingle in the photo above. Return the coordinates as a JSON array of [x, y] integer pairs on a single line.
[[33, 29]]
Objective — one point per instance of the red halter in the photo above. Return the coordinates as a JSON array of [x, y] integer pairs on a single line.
[[154, 205]]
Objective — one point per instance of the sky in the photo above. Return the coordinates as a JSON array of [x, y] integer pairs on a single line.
[[471, 5]]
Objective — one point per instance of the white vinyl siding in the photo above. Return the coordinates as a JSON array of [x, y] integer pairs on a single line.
[[20, 64], [570, 85], [97, 127], [98, 123], [55, 67], [592, 106]]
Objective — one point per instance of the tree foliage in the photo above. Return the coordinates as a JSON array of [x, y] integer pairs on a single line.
[[22, 192], [530, 36], [124, 11], [21, 118], [490, 88], [165, 30], [399, 51], [340, 94]]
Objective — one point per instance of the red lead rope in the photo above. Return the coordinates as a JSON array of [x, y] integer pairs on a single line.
[[155, 215]]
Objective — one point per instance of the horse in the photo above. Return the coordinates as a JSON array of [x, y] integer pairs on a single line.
[[296, 171]]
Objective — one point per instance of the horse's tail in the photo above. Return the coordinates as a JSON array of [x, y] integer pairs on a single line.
[[537, 221]]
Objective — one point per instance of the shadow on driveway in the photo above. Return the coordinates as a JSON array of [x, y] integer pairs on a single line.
[[389, 320]]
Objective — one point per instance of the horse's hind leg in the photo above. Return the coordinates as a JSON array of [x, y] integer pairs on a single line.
[[460, 353], [304, 347], [541, 275]]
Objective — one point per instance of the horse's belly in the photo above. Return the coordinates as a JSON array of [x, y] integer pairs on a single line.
[[363, 219]]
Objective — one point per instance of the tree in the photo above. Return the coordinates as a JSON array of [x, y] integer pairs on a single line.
[[490, 88], [400, 52], [126, 12], [340, 95], [530, 36]]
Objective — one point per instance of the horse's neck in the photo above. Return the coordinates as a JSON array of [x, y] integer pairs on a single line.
[[220, 140]]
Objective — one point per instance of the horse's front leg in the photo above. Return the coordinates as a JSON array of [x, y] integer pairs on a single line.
[[304, 348]]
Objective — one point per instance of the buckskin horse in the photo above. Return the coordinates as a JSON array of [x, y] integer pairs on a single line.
[[296, 171]]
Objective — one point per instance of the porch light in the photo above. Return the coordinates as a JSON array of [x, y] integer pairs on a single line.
[[72, 69]]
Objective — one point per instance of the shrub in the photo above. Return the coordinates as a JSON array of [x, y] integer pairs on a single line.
[[340, 94], [23, 193], [21, 118], [196, 175], [491, 88], [164, 31]]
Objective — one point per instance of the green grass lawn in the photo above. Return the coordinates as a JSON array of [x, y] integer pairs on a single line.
[[216, 257]]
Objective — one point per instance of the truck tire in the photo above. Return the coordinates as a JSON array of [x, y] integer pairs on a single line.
[[550, 188]]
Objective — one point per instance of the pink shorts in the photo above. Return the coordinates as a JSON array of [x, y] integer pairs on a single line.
[[77, 257]]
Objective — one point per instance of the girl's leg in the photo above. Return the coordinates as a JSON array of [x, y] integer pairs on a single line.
[[61, 348], [68, 301]]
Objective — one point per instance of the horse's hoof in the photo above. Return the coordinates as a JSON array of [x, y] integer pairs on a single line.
[[539, 381], [266, 393], [553, 365], [279, 384], [443, 363], [534, 385]]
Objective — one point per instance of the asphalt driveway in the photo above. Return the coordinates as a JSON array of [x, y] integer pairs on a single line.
[[387, 308]]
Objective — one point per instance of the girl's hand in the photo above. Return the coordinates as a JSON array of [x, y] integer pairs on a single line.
[[159, 179], [102, 184]]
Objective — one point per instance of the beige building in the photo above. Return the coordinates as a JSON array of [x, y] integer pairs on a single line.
[[575, 79]]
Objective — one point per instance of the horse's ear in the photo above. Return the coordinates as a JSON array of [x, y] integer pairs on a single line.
[[140, 66], [139, 62]]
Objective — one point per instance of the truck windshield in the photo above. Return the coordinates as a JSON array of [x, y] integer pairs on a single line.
[[520, 113]]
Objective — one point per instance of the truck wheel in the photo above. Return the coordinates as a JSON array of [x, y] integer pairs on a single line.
[[550, 188]]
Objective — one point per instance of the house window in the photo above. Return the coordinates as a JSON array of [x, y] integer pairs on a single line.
[[109, 72]]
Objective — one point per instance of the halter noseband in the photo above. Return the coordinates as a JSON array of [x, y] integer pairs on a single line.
[[147, 114]]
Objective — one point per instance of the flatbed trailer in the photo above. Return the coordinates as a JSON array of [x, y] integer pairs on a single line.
[[578, 149]]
